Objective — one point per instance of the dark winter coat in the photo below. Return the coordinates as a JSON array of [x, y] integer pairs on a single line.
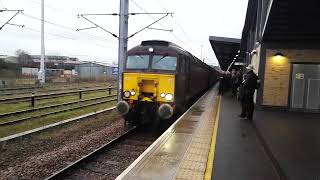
[[251, 83]]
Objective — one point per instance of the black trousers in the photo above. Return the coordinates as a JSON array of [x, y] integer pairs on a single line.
[[234, 89], [247, 106], [221, 87], [243, 108]]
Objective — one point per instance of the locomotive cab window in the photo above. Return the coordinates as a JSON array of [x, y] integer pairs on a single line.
[[138, 62], [168, 63]]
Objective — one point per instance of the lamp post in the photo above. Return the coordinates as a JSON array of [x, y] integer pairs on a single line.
[[123, 41], [41, 73]]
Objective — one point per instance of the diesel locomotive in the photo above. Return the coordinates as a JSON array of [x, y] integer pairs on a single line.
[[161, 79]]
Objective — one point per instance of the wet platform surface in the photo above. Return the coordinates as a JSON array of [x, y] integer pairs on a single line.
[[239, 154], [182, 151], [294, 140]]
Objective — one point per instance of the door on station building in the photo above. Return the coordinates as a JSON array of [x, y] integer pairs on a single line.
[[305, 87]]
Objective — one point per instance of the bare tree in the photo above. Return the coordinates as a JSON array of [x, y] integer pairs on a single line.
[[23, 57]]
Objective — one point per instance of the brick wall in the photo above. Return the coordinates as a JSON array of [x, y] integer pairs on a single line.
[[277, 73]]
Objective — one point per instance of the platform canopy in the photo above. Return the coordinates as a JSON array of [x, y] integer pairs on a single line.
[[293, 20], [225, 49]]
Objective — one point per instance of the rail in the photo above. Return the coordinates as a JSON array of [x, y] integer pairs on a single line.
[[54, 112], [40, 89], [52, 106], [19, 88], [23, 134], [33, 98], [60, 174]]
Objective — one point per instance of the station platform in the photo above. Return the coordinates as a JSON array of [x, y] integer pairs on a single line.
[[210, 142], [293, 138]]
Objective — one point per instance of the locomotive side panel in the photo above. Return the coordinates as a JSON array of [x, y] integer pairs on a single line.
[[181, 81], [198, 78]]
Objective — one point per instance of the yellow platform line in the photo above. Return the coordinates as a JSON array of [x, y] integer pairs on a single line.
[[209, 168]]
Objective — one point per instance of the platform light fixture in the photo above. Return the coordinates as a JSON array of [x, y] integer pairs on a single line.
[[279, 54], [279, 57]]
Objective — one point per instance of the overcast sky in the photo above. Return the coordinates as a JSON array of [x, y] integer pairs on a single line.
[[192, 23]]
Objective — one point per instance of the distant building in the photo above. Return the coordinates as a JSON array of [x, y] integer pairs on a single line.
[[26, 71], [9, 59], [56, 62], [54, 58], [95, 69]]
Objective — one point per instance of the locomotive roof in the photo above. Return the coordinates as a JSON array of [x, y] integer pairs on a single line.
[[159, 47], [162, 48]]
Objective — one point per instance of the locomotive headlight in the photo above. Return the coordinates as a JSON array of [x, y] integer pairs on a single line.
[[132, 93], [126, 94], [162, 95], [169, 97]]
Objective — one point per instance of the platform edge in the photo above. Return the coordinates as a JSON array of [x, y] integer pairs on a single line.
[[209, 167]]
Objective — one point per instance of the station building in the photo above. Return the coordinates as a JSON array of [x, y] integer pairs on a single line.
[[281, 40], [95, 69]]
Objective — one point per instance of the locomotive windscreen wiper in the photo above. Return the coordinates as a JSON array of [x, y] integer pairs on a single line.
[[160, 59], [140, 56]]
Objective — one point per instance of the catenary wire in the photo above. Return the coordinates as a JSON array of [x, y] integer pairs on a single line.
[[69, 28], [177, 23], [172, 33]]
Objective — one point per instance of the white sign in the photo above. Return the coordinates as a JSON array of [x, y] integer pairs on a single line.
[[299, 76], [239, 64]]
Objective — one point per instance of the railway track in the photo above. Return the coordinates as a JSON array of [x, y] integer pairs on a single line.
[[12, 122], [51, 95], [109, 160], [20, 88], [28, 90], [52, 106], [36, 130]]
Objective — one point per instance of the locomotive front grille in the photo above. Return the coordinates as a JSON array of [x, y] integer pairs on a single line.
[[146, 94], [148, 87]]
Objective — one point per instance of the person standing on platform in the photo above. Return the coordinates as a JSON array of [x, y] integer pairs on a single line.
[[221, 83], [242, 102], [250, 84], [233, 82]]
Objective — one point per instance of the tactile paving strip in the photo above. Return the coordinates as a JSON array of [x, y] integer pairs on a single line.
[[193, 165]]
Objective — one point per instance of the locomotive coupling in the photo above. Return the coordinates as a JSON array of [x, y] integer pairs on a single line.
[[123, 107], [165, 111]]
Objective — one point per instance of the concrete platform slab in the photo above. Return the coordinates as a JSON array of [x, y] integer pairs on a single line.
[[294, 140], [239, 154]]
